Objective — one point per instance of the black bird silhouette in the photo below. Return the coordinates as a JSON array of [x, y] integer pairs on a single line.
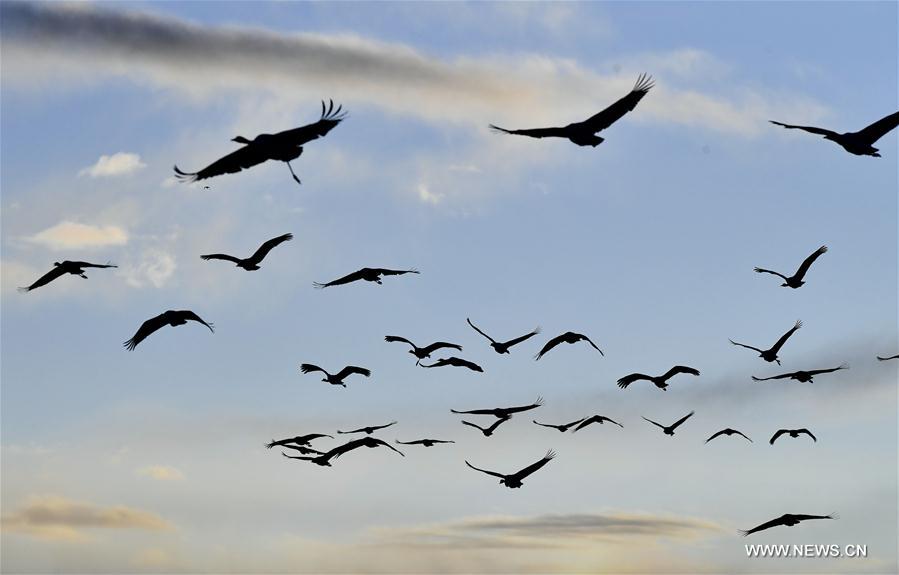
[[563, 427], [794, 433], [887, 358], [503, 412], [860, 143], [325, 459], [337, 378], [283, 146], [669, 430], [251, 263], [584, 133], [658, 381], [514, 480], [367, 274], [299, 440], [303, 449], [787, 520], [727, 431], [503, 346], [170, 317], [567, 337], [422, 352], [802, 376], [771, 354], [425, 442], [488, 431], [61, 269], [795, 280], [456, 362], [368, 430], [600, 419]]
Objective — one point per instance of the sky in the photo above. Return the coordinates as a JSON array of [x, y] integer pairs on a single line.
[[153, 461]]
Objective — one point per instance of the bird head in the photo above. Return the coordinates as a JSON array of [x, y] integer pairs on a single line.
[[240, 140], [56, 264]]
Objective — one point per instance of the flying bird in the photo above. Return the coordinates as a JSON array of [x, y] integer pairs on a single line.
[[503, 346], [170, 317], [62, 268], [794, 433], [422, 352], [669, 430], [425, 442], [563, 427], [514, 480], [770, 355], [299, 440], [488, 431], [802, 376], [251, 263], [727, 431], [860, 143], [787, 520], [795, 280], [303, 449], [567, 337], [887, 358], [503, 412], [367, 274], [658, 381], [584, 133], [368, 430], [600, 419], [455, 362], [337, 378], [325, 459], [284, 146]]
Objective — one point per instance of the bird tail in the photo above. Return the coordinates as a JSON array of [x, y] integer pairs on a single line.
[[185, 176]]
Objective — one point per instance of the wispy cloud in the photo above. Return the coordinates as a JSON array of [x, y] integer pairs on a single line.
[[119, 164], [73, 235], [161, 472], [155, 266]]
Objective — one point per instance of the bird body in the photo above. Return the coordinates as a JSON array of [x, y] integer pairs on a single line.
[[794, 433], [728, 431], [424, 442], [514, 480], [369, 430], [335, 378], [170, 317], [802, 376], [251, 263], [795, 281], [859, 143], [502, 412], [669, 429], [659, 381], [367, 274], [488, 431], [62, 268], [422, 352]]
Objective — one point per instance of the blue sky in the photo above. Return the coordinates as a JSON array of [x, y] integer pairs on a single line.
[[645, 243]]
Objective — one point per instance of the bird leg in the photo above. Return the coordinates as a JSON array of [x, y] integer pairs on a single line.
[[293, 174]]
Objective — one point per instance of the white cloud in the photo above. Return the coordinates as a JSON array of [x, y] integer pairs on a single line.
[[72, 235], [427, 196], [119, 164], [161, 472], [156, 266]]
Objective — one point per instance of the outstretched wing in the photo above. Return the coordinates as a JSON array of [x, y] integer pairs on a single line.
[[716, 434], [629, 379], [556, 132], [393, 338], [590, 341], [188, 315], [386, 272], [831, 370], [355, 276], [493, 473], [547, 424], [496, 424], [267, 247], [764, 271], [483, 429], [549, 345], [744, 345], [811, 129], [350, 369], [776, 435], [518, 340], [653, 422], [800, 273], [459, 362], [225, 257], [329, 119], [783, 339], [743, 434], [806, 517], [479, 331], [781, 376], [309, 368], [763, 526], [383, 426], [521, 408], [145, 330], [45, 279], [887, 358], [809, 433], [877, 130], [440, 345], [682, 419], [680, 369], [90, 265], [246, 157], [534, 466], [613, 113], [374, 441], [301, 448]]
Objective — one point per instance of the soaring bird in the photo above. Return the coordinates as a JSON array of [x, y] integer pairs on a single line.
[[303, 449], [61, 269], [563, 427], [802, 376], [422, 352], [770, 355], [455, 362], [584, 133], [787, 520], [887, 358], [669, 430], [337, 378], [567, 337], [299, 440], [283, 146], [513, 480], [503, 346], [600, 419], [503, 412], [860, 143], [170, 317], [727, 431], [658, 381], [368, 430], [367, 274], [325, 459], [794, 433], [795, 280], [488, 431], [425, 442], [251, 263]]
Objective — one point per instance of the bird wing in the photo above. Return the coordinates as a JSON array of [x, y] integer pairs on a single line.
[[440, 345], [613, 113], [301, 448], [90, 265], [246, 157], [682, 419], [763, 526], [534, 466], [781, 376], [350, 369], [803, 267], [653, 422], [744, 345], [812, 129], [877, 130], [373, 441], [263, 250], [329, 119], [225, 257], [588, 340], [439, 363], [546, 424], [783, 339], [549, 345], [145, 330], [831, 370], [806, 517], [585, 422], [479, 331], [393, 338], [309, 368], [478, 426], [743, 434], [45, 279], [764, 271], [521, 408], [887, 358], [809, 433], [186, 314], [776, 435], [629, 379], [298, 457], [716, 434], [680, 369], [496, 424], [386, 272], [518, 340], [355, 276], [555, 132], [459, 362], [383, 426], [346, 447], [475, 411], [493, 473]]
